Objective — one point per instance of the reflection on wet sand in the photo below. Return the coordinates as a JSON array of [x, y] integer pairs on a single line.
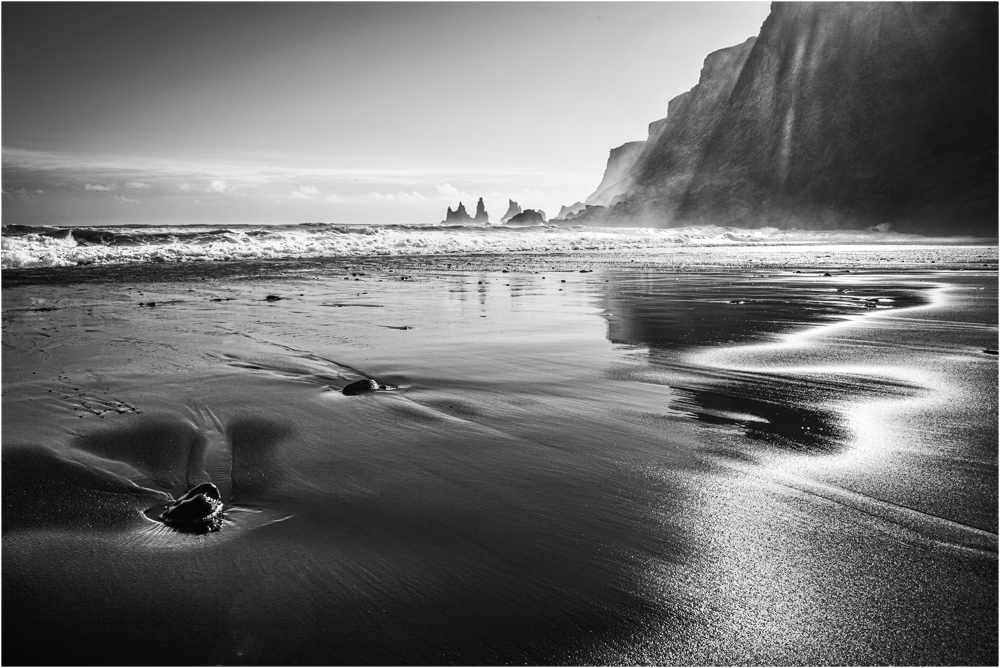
[[827, 515], [773, 408], [667, 482]]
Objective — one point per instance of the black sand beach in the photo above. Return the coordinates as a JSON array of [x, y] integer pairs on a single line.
[[577, 460]]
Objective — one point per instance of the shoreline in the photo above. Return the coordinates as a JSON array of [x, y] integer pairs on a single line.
[[862, 257]]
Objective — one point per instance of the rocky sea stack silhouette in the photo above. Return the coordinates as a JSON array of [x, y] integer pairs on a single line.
[[460, 215], [838, 115], [528, 217], [513, 208], [482, 217]]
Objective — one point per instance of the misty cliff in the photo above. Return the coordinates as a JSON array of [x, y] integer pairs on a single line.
[[615, 182], [836, 115]]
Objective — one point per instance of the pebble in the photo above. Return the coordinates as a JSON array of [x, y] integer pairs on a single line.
[[360, 387]]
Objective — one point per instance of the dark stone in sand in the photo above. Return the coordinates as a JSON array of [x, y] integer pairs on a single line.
[[989, 352], [360, 387], [828, 274], [272, 298], [201, 506], [206, 488]]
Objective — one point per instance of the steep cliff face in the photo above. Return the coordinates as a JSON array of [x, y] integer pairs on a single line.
[[571, 210], [837, 115], [668, 165]]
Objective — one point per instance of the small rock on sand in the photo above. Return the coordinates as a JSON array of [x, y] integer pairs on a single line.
[[202, 505], [360, 387]]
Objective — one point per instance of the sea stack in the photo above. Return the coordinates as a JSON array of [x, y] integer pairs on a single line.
[[482, 217], [457, 217], [513, 208]]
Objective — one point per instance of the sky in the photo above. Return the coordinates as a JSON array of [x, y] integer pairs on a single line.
[[223, 113]]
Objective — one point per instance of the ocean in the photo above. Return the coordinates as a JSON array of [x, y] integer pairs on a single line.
[[26, 246]]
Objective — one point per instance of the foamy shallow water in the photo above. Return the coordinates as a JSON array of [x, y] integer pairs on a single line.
[[24, 247]]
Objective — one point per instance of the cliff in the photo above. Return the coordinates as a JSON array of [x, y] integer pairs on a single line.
[[571, 210], [620, 164], [836, 115]]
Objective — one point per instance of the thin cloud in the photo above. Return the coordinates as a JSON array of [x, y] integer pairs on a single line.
[[218, 186], [403, 197], [304, 192], [124, 200], [411, 197], [446, 191], [98, 186], [334, 198], [137, 184]]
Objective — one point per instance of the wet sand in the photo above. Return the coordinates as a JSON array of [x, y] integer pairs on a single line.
[[632, 466]]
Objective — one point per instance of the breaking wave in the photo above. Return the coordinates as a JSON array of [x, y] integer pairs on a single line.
[[27, 246]]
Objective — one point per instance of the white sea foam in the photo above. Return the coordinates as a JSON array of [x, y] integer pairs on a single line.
[[59, 247]]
